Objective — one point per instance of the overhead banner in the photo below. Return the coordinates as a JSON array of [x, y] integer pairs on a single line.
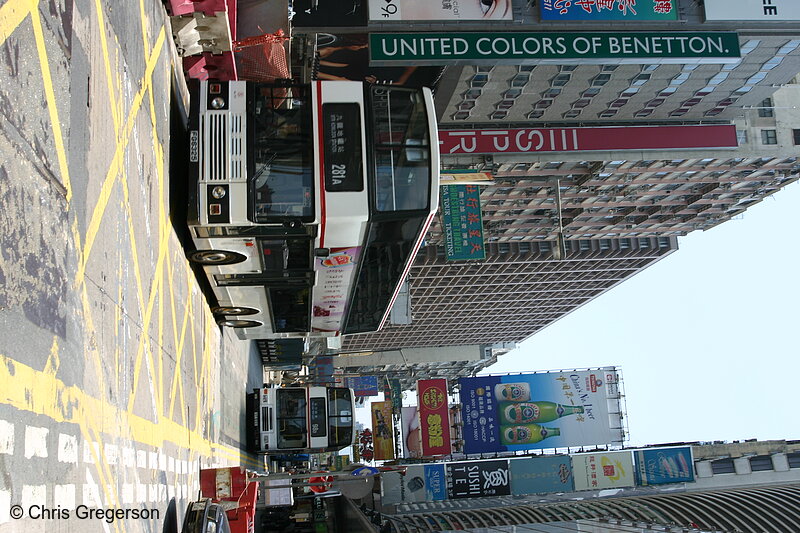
[[462, 222], [418, 484], [609, 10], [526, 140], [657, 466], [382, 431], [400, 10], [363, 385], [542, 474], [531, 48], [434, 416], [603, 470], [477, 479], [755, 10], [540, 410]]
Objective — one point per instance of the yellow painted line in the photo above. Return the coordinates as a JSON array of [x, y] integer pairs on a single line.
[[12, 13], [50, 95], [28, 389], [116, 162], [53, 361], [112, 98], [103, 471]]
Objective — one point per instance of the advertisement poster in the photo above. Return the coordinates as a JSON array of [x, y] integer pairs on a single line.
[[502, 141], [476, 479], [603, 470], [421, 483], [755, 10], [434, 416], [400, 10], [462, 222], [412, 443], [657, 466], [334, 279], [610, 9], [540, 410], [543, 474], [382, 431]]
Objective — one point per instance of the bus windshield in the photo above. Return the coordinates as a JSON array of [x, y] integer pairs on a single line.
[[291, 417], [282, 177], [340, 417], [401, 142]]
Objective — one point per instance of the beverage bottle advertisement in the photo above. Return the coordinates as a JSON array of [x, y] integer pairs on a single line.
[[541, 410]]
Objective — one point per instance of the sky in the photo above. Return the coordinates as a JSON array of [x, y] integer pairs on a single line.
[[707, 339]]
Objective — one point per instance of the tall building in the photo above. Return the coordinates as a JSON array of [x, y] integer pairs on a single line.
[[746, 487]]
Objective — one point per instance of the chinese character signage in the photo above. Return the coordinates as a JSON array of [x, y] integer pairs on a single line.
[[603, 470], [382, 431], [440, 10], [334, 279], [397, 395], [501, 141], [540, 410], [475, 479], [531, 48], [363, 385], [657, 466], [756, 10], [434, 416], [462, 222], [609, 9], [542, 474]]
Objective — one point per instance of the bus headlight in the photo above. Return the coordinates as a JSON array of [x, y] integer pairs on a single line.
[[218, 192], [218, 102]]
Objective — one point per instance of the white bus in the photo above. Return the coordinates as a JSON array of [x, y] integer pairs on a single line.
[[309, 202], [304, 419]]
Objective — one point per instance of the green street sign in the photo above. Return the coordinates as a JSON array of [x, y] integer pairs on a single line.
[[475, 48]]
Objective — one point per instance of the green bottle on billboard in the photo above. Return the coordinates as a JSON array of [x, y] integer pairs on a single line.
[[528, 412], [526, 434], [512, 392]]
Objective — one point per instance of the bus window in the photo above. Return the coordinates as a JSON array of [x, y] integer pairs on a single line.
[[292, 422], [340, 417]]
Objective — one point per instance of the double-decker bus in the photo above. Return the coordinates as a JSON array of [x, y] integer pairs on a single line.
[[308, 202], [305, 419]]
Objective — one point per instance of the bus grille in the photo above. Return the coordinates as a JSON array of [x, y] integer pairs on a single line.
[[223, 151]]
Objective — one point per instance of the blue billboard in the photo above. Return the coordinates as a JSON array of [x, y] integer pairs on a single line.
[[364, 385], [609, 10], [534, 475], [540, 410], [657, 466], [435, 482]]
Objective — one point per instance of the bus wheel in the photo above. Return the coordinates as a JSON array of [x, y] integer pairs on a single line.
[[238, 323], [215, 257], [235, 311]]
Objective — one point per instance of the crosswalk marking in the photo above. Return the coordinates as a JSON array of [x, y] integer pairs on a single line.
[[64, 496], [141, 459], [111, 453], [5, 506], [35, 441], [6, 437], [34, 495]]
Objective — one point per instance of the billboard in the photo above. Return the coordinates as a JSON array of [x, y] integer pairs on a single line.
[[462, 222], [540, 410], [412, 442], [657, 466], [603, 470], [434, 416], [420, 483], [476, 479], [382, 431], [400, 10], [363, 385], [531, 48], [552, 473], [609, 10], [755, 10], [526, 140]]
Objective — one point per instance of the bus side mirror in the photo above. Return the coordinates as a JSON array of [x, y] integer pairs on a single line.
[[322, 252]]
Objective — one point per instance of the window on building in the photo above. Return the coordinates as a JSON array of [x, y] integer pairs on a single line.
[[624, 244], [796, 137], [769, 137], [794, 459], [663, 242], [741, 137], [765, 108], [605, 244], [760, 463], [723, 466], [644, 242], [584, 245]]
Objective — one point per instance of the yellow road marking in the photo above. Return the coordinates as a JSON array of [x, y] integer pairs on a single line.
[[112, 98], [12, 13], [50, 95], [53, 361]]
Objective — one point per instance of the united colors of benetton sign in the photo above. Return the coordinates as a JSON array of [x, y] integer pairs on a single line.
[[561, 47]]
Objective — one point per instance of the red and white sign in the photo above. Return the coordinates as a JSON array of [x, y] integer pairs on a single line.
[[501, 141], [434, 416]]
